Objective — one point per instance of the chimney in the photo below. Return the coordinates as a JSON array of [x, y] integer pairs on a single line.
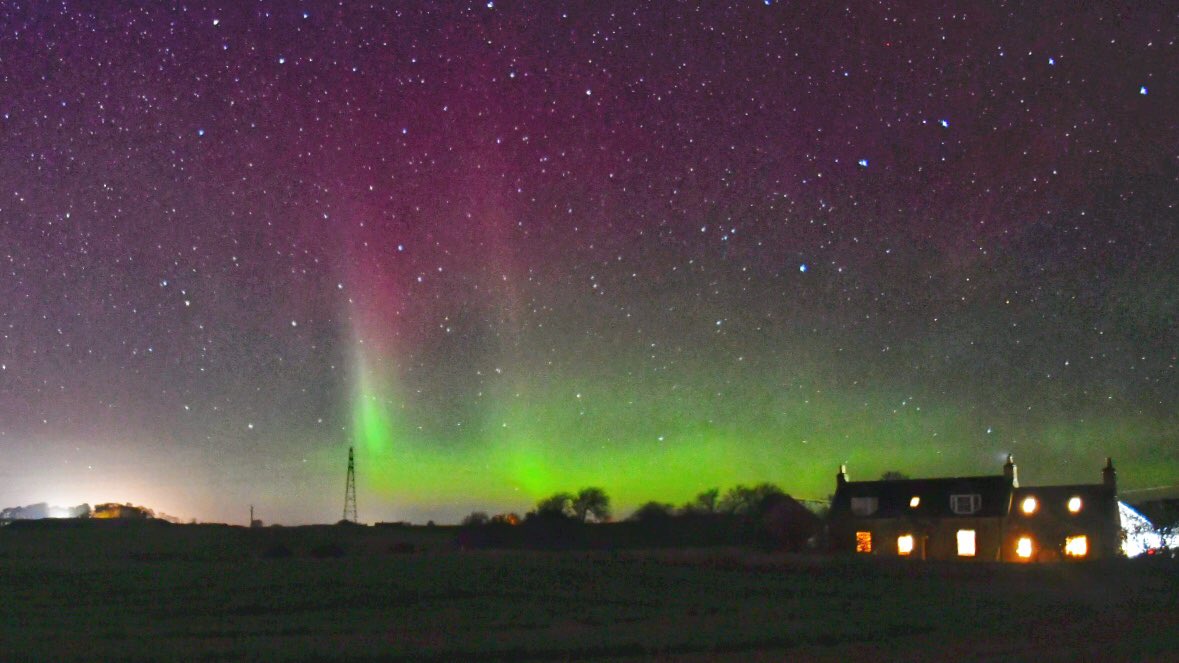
[[1109, 476], [1011, 472], [841, 478]]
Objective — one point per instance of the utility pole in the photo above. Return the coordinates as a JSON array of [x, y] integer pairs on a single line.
[[350, 490]]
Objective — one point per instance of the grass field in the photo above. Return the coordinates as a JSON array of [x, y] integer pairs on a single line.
[[145, 592]]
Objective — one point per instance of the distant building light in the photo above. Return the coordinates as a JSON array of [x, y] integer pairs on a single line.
[[905, 544], [863, 542], [1076, 546], [914, 502], [1023, 547], [1029, 505], [1074, 505], [966, 544]]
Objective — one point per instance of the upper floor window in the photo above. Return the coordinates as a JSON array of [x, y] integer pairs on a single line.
[[1029, 505], [864, 506], [964, 505], [1074, 504]]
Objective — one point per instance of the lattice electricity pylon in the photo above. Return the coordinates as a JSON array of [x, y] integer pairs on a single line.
[[350, 490]]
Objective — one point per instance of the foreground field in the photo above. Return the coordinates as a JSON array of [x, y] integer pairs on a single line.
[[207, 593]]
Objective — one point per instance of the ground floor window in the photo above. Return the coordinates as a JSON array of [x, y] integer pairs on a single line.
[[966, 546], [1023, 547], [905, 544], [863, 542], [1076, 546]]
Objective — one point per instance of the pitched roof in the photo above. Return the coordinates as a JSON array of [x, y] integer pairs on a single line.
[[894, 497]]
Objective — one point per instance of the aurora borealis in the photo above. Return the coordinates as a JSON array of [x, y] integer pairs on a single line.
[[507, 249]]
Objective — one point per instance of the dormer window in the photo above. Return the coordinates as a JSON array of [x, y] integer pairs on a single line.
[[965, 505], [864, 506]]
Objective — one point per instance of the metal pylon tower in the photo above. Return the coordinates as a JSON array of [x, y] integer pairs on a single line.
[[350, 490]]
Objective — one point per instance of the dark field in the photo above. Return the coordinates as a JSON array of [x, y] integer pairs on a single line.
[[143, 591]]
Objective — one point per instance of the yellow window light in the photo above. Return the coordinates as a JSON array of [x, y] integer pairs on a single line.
[[1029, 505], [863, 542], [1076, 546], [914, 502], [966, 546], [905, 544], [1074, 505], [1023, 547]]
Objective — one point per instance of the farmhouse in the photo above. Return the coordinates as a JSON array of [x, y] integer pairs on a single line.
[[976, 518]]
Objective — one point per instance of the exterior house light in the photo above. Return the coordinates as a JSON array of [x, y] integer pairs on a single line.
[[1074, 504], [1023, 547], [914, 502], [905, 544], [1029, 505]]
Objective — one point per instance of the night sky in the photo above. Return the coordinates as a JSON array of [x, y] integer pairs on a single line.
[[507, 249]]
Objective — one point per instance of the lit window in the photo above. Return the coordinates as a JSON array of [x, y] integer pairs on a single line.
[[905, 544], [1029, 505], [1023, 547], [966, 546], [914, 502], [863, 542], [1074, 505], [965, 505], [1076, 546], [864, 506]]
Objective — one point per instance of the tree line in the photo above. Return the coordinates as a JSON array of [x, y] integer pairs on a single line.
[[760, 514]]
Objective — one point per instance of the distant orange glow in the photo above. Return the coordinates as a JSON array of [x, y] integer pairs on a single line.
[[1076, 546], [1023, 547], [863, 542], [506, 519]]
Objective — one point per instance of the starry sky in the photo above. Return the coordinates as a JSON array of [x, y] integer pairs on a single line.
[[506, 249]]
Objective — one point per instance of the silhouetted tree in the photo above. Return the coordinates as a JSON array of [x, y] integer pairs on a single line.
[[560, 504], [652, 511], [743, 500], [591, 502], [475, 519], [706, 502], [893, 475]]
